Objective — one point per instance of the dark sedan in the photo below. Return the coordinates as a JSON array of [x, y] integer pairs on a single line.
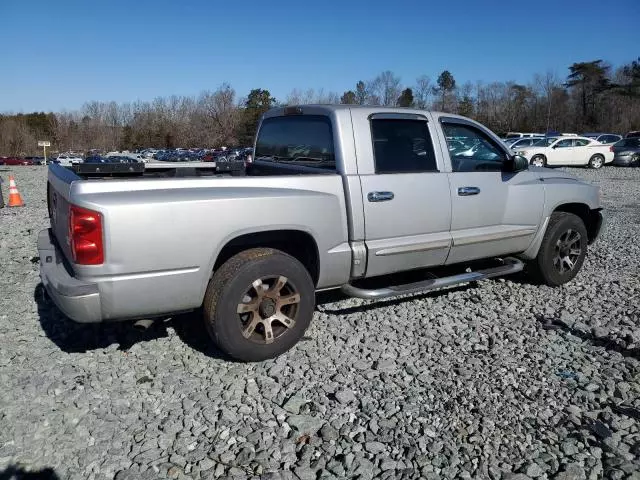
[[626, 152]]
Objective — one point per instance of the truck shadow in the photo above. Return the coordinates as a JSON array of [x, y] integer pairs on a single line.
[[73, 337], [13, 472]]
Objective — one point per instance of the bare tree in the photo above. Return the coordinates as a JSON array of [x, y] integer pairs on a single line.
[[222, 113], [422, 92], [16, 139], [546, 84], [385, 89]]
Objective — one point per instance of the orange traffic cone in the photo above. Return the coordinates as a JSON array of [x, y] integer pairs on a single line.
[[15, 199]]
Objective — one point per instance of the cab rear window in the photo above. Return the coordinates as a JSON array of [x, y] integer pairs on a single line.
[[305, 140]]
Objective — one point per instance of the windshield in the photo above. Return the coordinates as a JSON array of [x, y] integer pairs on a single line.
[[544, 142]]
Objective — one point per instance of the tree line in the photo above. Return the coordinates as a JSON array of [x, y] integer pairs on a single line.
[[592, 96]]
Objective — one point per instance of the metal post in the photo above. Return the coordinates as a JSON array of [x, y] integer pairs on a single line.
[[1, 199], [44, 149]]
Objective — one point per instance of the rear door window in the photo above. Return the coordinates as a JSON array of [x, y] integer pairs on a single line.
[[297, 140], [567, 142], [402, 146]]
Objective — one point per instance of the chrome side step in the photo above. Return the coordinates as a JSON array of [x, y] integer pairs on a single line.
[[510, 265]]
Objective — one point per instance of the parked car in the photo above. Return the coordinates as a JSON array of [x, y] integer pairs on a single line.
[[17, 161], [479, 149], [633, 134], [346, 209], [605, 138], [510, 135], [522, 142], [572, 151], [67, 160], [96, 159], [111, 159], [626, 152]]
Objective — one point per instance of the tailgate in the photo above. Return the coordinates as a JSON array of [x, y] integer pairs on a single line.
[[58, 188]]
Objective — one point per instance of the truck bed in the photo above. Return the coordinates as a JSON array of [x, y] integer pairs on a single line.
[[155, 169], [160, 169], [162, 235]]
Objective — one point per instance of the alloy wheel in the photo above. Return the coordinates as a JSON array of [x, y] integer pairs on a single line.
[[567, 251], [268, 309]]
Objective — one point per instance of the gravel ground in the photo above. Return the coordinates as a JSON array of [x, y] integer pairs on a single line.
[[497, 380]]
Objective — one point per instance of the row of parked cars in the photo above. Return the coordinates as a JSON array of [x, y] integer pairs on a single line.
[[589, 149], [22, 161], [203, 155], [221, 155]]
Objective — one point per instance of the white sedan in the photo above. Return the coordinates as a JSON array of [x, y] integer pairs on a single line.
[[570, 151], [68, 160]]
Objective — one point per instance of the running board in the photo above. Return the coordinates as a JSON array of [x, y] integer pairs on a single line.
[[510, 265]]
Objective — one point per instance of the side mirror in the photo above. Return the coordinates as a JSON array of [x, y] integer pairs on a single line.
[[516, 163]]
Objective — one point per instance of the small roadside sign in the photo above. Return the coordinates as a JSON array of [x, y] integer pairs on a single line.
[[44, 144]]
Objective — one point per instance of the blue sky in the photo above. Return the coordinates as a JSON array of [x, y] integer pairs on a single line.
[[57, 55]]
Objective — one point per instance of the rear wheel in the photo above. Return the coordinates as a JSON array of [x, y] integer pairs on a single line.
[[258, 304], [562, 251], [596, 161], [538, 161]]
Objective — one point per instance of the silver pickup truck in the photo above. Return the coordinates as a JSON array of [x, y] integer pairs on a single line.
[[337, 197]]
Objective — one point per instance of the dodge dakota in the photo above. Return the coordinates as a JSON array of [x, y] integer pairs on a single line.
[[337, 197]]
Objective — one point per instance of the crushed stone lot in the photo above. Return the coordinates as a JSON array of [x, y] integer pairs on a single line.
[[497, 380]]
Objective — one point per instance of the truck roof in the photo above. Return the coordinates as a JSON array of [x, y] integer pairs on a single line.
[[276, 111]]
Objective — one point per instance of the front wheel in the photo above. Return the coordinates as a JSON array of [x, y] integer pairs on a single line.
[[562, 251], [258, 304], [635, 161], [539, 161], [596, 162]]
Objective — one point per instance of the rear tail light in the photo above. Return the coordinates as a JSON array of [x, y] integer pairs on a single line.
[[85, 235], [611, 148]]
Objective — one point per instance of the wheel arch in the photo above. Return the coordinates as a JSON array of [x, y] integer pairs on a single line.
[[591, 218], [597, 155], [299, 244], [544, 157]]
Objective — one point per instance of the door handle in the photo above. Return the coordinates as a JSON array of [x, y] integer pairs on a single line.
[[466, 191], [380, 196]]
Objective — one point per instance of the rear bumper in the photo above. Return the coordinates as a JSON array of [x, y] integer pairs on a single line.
[[622, 161], [78, 300]]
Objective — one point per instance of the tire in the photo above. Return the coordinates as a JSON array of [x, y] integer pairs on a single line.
[[635, 160], [538, 161], [596, 161], [253, 281], [550, 265]]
